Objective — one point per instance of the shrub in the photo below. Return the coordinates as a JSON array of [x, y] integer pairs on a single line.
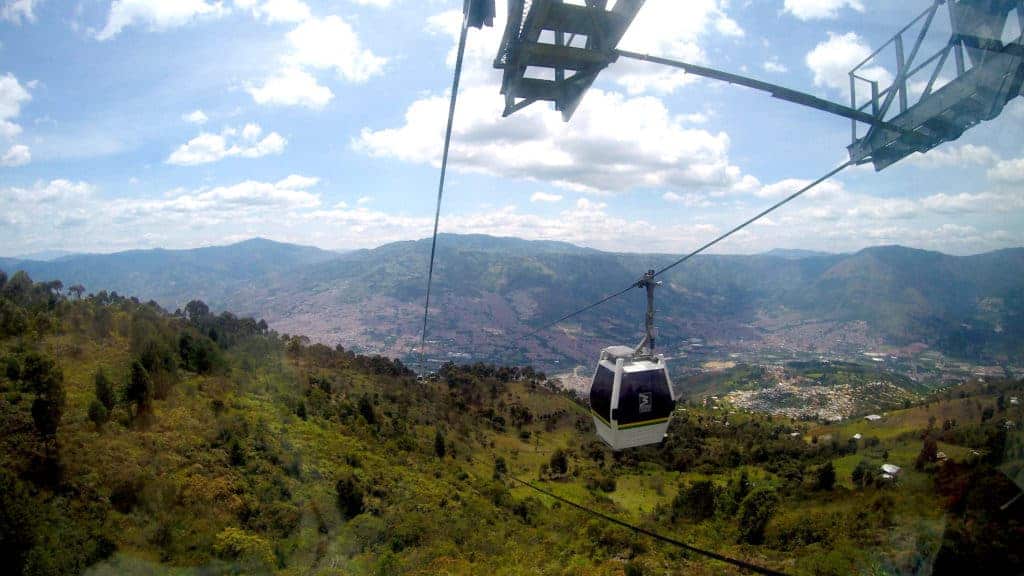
[[863, 475], [439, 444], [140, 388], [98, 414], [696, 501], [104, 390], [500, 468], [349, 497], [237, 544], [559, 463], [755, 512], [825, 477]]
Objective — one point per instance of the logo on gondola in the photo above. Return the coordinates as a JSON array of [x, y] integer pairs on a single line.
[[646, 402]]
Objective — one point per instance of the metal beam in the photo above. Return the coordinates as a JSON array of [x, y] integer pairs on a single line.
[[780, 92]]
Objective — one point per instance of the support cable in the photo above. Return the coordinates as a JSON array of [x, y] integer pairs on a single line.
[[659, 537], [705, 247], [444, 171]]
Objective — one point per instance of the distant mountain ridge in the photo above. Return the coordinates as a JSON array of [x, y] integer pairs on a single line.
[[492, 290], [168, 276]]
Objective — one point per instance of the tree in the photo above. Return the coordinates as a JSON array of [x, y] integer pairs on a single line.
[[929, 453], [439, 444], [559, 462], [46, 415], [77, 290], [366, 409], [12, 369], [98, 413], [863, 475], [19, 516], [696, 501], [140, 388], [350, 497], [18, 287], [738, 490], [755, 512], [825, 477], [500, 468], [47, 381], [104, 390], [196, 309]]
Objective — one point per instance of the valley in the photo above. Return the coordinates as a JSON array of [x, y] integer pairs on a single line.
[[933, 319]]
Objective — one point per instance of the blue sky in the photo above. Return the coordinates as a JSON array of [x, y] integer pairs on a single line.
[[145, 123]]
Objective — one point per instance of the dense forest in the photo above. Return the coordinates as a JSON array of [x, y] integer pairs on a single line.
[[140, 441]]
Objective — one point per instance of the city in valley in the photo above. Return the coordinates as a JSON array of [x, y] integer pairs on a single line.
[[814, 370]]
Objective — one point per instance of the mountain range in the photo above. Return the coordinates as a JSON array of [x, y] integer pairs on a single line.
[[491, 292]]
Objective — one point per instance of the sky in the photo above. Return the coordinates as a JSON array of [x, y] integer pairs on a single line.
[[147, 123]]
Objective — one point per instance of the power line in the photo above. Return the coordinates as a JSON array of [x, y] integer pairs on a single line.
[[661, 538], [444, 170], [703, 248]]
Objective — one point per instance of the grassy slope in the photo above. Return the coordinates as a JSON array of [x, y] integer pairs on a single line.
[[196, 510]]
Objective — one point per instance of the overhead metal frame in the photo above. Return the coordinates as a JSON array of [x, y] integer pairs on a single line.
[[988, 74], [543, 37], [547, 35]]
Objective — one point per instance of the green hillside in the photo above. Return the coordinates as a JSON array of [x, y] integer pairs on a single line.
[[138, 442]]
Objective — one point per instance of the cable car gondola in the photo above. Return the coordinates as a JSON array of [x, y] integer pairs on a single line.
[[631, 396]]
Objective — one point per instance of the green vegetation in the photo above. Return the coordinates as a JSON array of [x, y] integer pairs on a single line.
[[133, 441]]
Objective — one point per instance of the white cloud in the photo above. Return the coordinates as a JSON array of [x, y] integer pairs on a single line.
[[885, 209], [375, 3], [613, 144], [985, 202], [12, 96], [17, 155], [292, 87], [688, 199], [788, 186], [775, 67], [820, 9], [364, 200], [197, 117], [318, 44], [1009, 171], [55, 191], [279, 10], [158, 15], [18, 11], [832, 60], [545, 197], [955, 155], [331, 43], [670, 29], [208, 147], [694, 118]]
